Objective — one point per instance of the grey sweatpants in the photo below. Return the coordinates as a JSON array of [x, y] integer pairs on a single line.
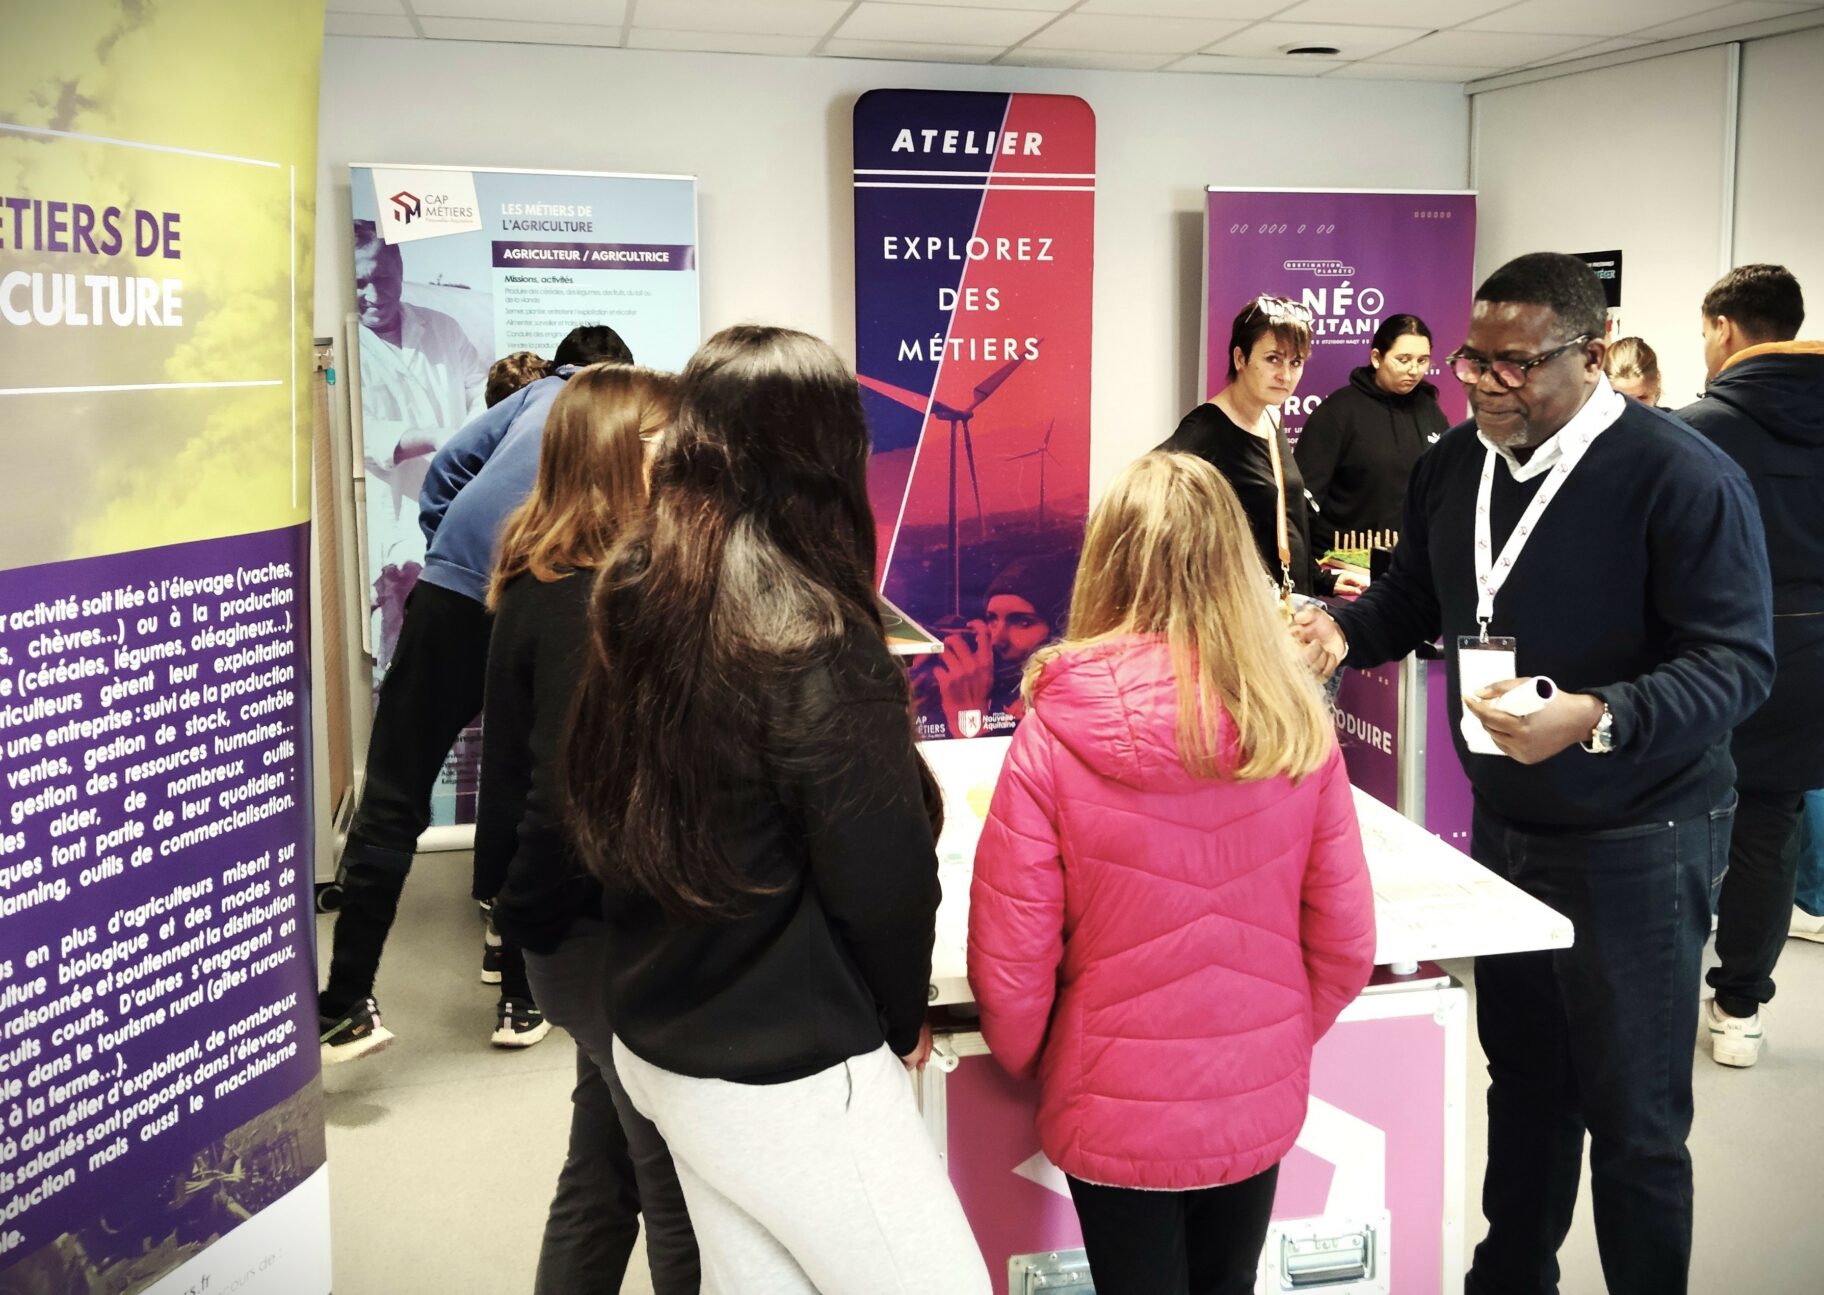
[[827, 1185], [617, 1169]]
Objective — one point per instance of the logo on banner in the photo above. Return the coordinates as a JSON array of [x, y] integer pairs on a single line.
[[968, 722], [425, 204]]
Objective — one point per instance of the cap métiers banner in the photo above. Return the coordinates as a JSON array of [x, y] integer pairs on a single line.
[[456, 267], [974, 247], [161, 1124], [1351, 257]]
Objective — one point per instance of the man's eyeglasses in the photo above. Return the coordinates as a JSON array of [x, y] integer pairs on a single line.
[[1511, 374], [1282, 308]]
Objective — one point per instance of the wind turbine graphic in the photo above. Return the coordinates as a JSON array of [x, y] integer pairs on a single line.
[[959, 419], [1042, 454]]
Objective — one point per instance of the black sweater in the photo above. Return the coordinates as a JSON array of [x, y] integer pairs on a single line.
[[523, 860], [1357, 453], [839, 958], [1645, 583], [1247, 465]]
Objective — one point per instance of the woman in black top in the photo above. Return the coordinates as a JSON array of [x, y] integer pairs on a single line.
[[1241, 434], [1358, 449], [590, 487], [742, 778]]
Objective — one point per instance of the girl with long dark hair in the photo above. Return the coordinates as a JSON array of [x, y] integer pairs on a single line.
[[590, 488], [742, 778]]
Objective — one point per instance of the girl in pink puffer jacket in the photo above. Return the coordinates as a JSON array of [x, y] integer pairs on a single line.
[[1170, 903]]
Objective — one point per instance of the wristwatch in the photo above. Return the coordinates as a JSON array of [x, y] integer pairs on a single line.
[[1601, 740]]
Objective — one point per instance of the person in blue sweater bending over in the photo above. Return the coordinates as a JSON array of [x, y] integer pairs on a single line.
[[433, 688], [1568, 532]]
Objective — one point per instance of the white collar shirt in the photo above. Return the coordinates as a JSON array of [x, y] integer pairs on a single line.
[[1598, 414]]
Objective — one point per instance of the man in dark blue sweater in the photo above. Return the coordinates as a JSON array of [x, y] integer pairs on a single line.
[[1604, 544], [1764, 406], [433, 686]]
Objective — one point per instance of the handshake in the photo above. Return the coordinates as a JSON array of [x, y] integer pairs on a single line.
[[1321, 641]]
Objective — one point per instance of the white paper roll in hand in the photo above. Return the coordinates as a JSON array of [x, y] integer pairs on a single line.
[[1521, 700], [1529, 697]]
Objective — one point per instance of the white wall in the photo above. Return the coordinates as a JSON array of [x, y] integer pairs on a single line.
[[1779, 187], [769, 139], [1632, 157]]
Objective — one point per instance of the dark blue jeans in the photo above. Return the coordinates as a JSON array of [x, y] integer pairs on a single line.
[[1597, 1038]]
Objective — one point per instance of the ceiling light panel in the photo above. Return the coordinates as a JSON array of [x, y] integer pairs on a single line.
[[1271, 39], [941, 24], [1132, 35]]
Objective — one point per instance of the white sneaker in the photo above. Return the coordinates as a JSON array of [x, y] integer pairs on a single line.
[[1805, 926], [1734, 1040]]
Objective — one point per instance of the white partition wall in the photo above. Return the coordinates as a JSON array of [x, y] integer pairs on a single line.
[[1779, 186], [1635, 157], [769, 140]]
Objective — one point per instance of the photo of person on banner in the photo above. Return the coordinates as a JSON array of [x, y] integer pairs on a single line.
[[973, 687]]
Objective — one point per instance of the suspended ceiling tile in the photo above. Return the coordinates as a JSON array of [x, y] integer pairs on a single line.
[[1431, 14], [926, 24], [1582, 18], [517, 32], [724, 42], [589, 13], [367, 24], [1378, 71], [1230, 10], [1271, 39], [1131, 35], [1088, 60], [756, 17], [1487, 49], [911, 51], [1730, 15], [1222, 66]]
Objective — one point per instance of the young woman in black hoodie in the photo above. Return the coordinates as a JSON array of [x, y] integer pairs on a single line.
[[1358, 448], [741, 776], [591, 487]]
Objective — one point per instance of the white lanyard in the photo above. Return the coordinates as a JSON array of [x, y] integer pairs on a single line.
[[1492, 571]]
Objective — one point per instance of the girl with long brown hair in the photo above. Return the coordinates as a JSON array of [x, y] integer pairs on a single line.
[[1170, 903], [590, 489], [742, 778]]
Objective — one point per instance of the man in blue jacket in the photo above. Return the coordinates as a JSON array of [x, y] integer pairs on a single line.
[[1763, 405], [1568, 531], [433, 688]]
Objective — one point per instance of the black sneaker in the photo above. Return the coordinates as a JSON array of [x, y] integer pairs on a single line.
[[356, 1033], [520, 1024], [492, 955]]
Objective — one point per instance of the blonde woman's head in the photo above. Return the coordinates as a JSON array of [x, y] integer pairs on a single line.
[[1168, 553], [1633, 369]]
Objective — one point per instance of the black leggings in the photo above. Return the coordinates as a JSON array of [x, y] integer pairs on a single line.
[[1201, 1242]]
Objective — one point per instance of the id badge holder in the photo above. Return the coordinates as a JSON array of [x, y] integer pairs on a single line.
[[1481, 662]]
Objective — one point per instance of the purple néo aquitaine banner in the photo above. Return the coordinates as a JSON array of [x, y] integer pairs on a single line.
[[1353, 258]]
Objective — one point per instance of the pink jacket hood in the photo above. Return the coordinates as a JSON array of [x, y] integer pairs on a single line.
[[1163, 949]]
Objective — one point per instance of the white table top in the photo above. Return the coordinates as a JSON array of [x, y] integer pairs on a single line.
[[1431, 901]]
